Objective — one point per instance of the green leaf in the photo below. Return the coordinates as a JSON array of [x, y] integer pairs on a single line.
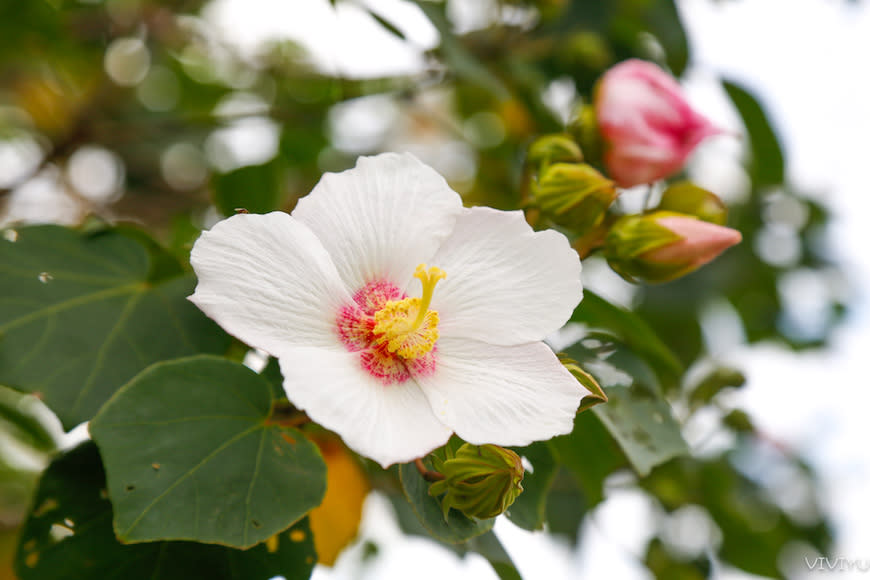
[[641, 422], [566, 506], [529, 509], [82, 314], [456, 529], [719, 379], [489, 546], [485, 544], [255, 188], [591, 454], [768, 162], [215, 468], [631, 330], [68, 535], [386, 24], [637, 415], [664, 564], [662, 19], [272, 373]]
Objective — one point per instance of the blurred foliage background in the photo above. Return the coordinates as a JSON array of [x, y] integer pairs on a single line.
[[143, 111]]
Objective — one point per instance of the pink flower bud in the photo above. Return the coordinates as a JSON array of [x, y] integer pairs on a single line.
[[664, 245], [648, 127], [700, 242]]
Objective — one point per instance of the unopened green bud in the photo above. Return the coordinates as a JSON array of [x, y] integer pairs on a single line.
[[664, 245], [574, 195], [583, 126], [481, 481], [554, 148], [687, 198], [586, 49]]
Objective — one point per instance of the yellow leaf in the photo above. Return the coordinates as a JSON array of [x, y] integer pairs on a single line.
[[336, 521]]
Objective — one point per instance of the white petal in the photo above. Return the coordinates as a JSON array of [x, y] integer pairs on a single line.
[[267, 280], [388, 423], [380, 219], [506, 395], [506, 284]]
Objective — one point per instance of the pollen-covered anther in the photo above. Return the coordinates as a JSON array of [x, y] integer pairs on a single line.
[[407, 327]]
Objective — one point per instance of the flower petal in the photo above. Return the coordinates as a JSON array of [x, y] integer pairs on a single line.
[[506, 395], [388, 423], [380, 219], [506, 284], [267, 280]]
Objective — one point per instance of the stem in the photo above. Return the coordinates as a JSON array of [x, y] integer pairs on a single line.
[[427, 475]]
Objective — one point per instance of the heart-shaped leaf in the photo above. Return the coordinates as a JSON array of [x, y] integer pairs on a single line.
[[191, 454], [69, 535], [82, 313]]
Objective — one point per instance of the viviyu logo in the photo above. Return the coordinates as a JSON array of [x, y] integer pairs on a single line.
[[839, 564]]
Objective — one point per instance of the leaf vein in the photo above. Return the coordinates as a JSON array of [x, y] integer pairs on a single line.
[[189, 473]]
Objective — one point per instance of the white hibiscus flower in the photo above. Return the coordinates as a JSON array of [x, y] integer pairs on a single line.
[[391, 354]]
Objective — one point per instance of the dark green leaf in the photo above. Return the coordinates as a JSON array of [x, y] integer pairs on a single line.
[[591, 454], [768, 162], [272, 373], [715, 382], [388, 26], [666, 566], [485, 544], [255, 188], [566, 506], [80, 315], [214, 469], [489, 546], [631, 330], [528, 511], [456, 529], [68, 536], [663, 20]]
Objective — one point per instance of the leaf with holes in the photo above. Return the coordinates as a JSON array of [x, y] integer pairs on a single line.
[[81, 314], [191, 454], [636, 415], [630, 329], [69, 535]]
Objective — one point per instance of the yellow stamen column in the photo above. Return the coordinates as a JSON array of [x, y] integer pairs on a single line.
[[406, 337]]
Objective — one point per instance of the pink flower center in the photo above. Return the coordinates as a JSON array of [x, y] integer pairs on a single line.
[[394, 335]]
